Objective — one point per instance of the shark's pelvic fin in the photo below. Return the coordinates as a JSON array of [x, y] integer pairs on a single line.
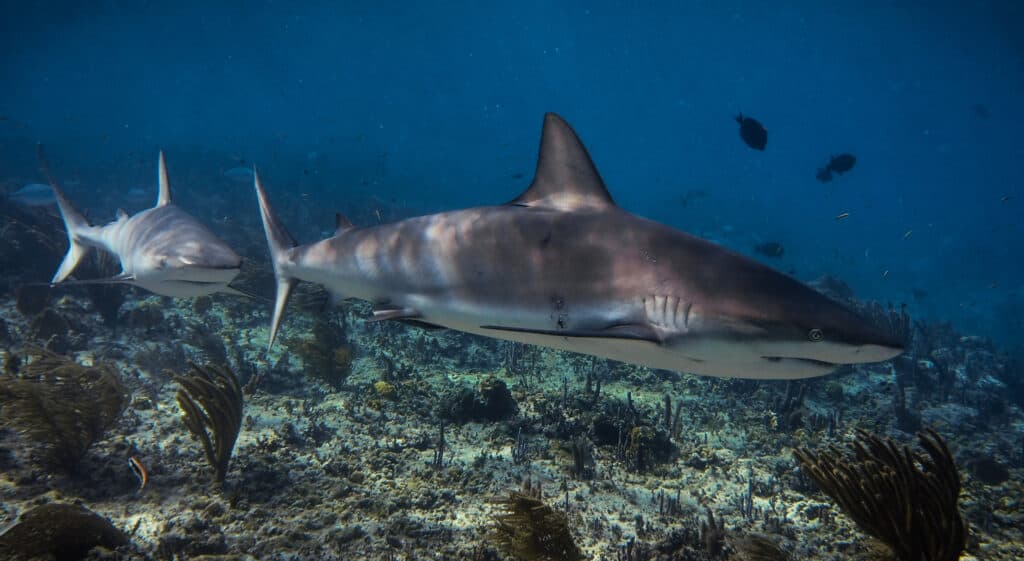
[[280, 242], [632, 331], [164, 194], [381, 313], [235, 291], [566, 178]]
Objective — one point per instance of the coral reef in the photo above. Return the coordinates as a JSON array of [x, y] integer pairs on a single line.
[[62, 532], [324, 353], [756, 547], [912, 510], [32, 299], [59, 406], [106, 298], [533, 531], [211, 400], [490, 401]]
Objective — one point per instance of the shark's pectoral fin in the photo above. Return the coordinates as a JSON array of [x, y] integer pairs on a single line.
[[424, 325], [631, 331], [123, 278], [381, 313]]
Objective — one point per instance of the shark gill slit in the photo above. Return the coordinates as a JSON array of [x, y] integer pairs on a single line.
[[668, 311]]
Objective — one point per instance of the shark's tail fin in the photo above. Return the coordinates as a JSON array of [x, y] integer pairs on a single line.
[[74, 223], [280, 242]]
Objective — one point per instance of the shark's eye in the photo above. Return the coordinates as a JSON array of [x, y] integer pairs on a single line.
[[815, 335]]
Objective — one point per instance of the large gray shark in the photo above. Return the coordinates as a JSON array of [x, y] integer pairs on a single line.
[[162, 249], [562, 266]]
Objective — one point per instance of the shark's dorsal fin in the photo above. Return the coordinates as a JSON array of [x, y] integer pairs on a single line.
[[342, 224], [122, 214], [566, 178], [164, 194]]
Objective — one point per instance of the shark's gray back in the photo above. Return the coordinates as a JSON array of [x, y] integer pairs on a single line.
[[583, 269]]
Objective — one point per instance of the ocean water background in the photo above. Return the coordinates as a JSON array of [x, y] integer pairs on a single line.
[[419, 107]]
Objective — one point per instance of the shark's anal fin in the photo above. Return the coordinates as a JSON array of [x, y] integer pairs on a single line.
[[630, 331], [381, 313]]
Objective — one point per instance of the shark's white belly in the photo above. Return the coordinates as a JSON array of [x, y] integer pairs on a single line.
[[706, 356]]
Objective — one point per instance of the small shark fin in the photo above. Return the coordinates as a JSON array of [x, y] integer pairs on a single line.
[[164, 194], [74, 222], [235, 291], [122, 214], [280, 243], [381, 313], [566, 178], [631, 331], [342, 224]]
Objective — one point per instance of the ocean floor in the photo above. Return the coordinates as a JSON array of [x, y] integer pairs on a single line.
[[384, 441]]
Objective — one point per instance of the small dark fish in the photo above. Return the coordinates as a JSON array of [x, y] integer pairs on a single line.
[[752, 132], [770, 249], [918, 293], [842, 216], [239, 174], [517, 175], [693, 195], [1004, 198], [842, 163], [824, 174]]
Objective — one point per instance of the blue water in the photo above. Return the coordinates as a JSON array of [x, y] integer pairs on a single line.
[[424, 107]]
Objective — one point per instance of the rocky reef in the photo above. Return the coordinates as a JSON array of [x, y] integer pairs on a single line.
[[363, 440]]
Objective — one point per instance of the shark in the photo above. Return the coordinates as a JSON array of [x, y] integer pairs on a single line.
[[563, 266], [162, 249]]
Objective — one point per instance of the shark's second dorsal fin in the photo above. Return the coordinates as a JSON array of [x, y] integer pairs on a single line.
[[566, 178], [342, 224], [164, 194]]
